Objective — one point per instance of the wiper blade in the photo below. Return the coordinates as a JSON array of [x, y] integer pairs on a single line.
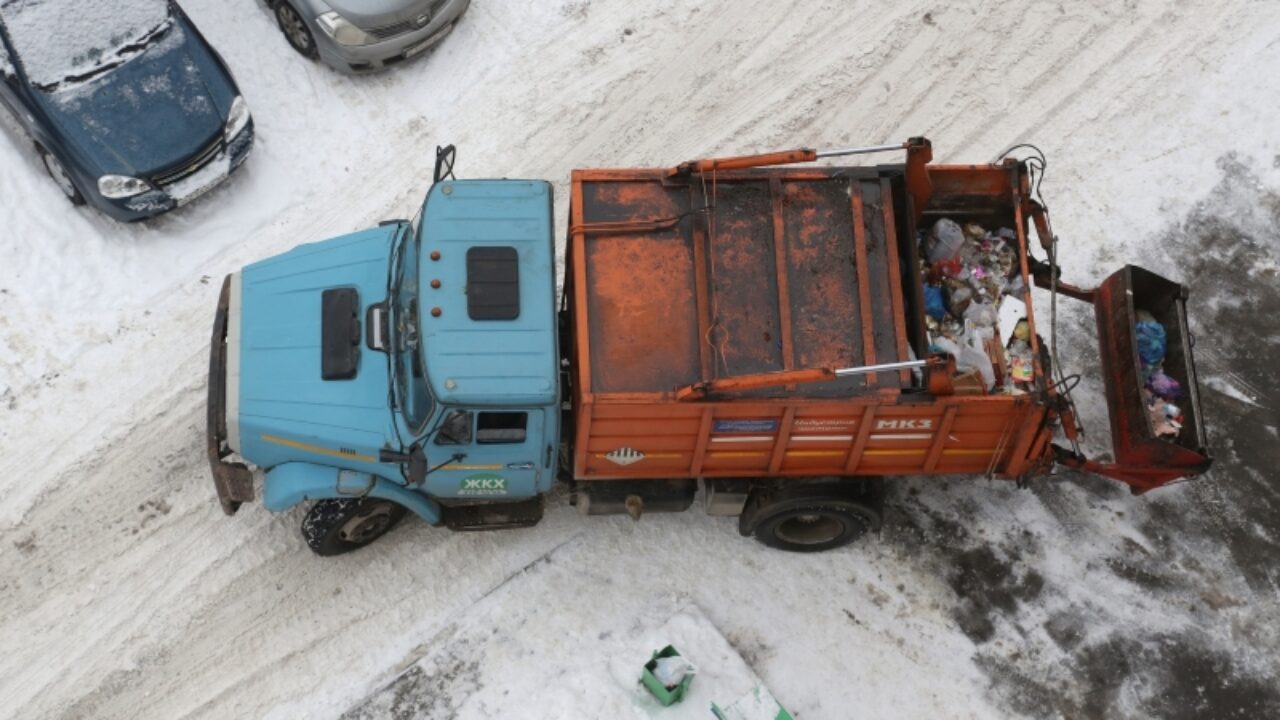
[[122, 54], [85, 75], [146, 39]]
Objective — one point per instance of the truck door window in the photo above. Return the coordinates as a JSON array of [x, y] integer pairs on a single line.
[[456, 429], [501, 427]]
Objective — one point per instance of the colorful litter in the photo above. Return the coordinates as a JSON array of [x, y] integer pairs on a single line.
[[972, 288]]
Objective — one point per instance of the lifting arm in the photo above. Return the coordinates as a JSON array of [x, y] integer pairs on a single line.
[[938, 371]]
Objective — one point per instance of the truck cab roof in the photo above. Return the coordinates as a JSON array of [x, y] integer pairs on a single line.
[[487, 301]]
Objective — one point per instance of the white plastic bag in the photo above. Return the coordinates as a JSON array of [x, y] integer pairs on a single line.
[[671, 671], [968, 358], [946, 239]]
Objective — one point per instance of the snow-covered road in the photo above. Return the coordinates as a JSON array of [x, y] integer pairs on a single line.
[[124, 591]]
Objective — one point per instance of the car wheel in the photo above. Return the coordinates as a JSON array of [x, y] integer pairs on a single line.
[[295, 30], [815, 526], [337, 526], [60, 176]]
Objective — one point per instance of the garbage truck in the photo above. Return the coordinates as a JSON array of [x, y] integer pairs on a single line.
[[775, 335]]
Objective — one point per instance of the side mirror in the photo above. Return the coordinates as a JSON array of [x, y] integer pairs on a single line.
[[444, 162], [415, 461], [456, 429], [417, 464]]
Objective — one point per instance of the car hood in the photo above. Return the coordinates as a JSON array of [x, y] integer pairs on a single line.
[[380, 13], [287, 411], [151, 113]]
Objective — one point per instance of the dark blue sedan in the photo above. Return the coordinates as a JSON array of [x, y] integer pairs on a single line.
[[130, 108]]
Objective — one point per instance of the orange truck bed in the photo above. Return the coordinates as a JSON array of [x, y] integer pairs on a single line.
[[719, 270]]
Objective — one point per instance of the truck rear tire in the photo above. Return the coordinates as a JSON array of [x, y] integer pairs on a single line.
[[815, 526], [822, 514], [339, 525]]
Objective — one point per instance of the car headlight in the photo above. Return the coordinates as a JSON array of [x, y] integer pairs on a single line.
[[342, 31], [121, 186], [237, 119]]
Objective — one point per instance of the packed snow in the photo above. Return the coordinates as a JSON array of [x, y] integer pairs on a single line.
[[125, 592]]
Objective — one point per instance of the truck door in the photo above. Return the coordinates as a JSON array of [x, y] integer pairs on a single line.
[[500, 454]]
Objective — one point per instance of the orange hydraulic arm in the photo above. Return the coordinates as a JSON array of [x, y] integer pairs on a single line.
[[938, 372], [919, 154]]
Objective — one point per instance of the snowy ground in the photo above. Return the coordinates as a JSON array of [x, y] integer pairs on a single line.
[[124, 592]]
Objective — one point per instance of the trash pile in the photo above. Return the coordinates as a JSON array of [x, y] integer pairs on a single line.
[[1159, 390], [975, 304]]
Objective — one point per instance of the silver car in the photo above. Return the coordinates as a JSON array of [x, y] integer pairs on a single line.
[[365, 35]]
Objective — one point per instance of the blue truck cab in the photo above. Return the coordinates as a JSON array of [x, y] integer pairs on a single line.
[[408, 367]]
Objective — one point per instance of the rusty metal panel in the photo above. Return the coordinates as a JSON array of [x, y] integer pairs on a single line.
[[884, 322], [826, 324], [642, 331], [748, 273], [745, 335]]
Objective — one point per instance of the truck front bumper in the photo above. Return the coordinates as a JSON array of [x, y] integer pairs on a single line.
[[232, 480]]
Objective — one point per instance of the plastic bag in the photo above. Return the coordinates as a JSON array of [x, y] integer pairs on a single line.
[[671, 671], [959, 296], [968, 358], [945, 269], [945, 240], [1164, 386], [975, 358], [1151, 338], [934, 305], [1166, 418], [982, 314]]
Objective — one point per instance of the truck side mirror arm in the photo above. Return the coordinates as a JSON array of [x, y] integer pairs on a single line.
[[415, 459]]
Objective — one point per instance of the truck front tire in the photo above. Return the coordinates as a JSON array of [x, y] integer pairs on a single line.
[[339, 525]]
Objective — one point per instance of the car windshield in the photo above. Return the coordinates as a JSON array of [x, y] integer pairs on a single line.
[[406, 366], [61, 40]]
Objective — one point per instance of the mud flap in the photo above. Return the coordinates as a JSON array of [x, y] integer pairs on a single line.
[[1142, 459]]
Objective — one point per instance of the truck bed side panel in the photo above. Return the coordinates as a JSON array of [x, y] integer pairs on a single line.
[[770, 438]]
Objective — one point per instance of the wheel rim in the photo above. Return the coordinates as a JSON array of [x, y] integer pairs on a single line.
[[293, 27], [59, 175], [366, 525], [809, 529]]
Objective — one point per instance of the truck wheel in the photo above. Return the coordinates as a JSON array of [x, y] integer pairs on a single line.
[[815, 525], [336, 526]]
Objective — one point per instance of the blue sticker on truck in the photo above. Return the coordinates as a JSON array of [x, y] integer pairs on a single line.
[[744, 426]]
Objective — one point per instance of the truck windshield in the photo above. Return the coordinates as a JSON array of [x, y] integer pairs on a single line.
[[406, 352]]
